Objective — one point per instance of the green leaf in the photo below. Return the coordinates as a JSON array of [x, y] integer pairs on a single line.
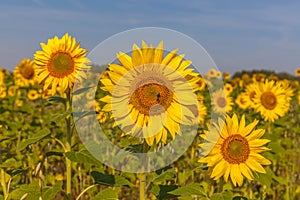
[[80, 115], [217, 196], [82, 90], [57, 99], [107, 194], [111, 180], [276, 148], [59, 117], [83, 156], [169, 174], [239, 198], [264, 179], [14, 172], [54, 153], [39, 135], [163, 191], [32, 189], [193, 189], [50, 192]]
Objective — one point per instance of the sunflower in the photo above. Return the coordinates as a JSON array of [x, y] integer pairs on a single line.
[[271, 100], [241, 102], [258, 77], [60, 63], [13, 90], [249, 94], [2, 75], [297, 72], [233, 149], [201, 83], [226, 75], [228, 88], [24, 73], [2, 91], [149, 94], [33, 95], [221, 102]]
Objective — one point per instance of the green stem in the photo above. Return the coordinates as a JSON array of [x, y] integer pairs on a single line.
[[143, 176], [3, 183], [68, 145], [142, 186]]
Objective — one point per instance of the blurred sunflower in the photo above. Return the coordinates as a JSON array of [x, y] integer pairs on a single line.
[[60, 63], [33, 95], [24, 74], [228, 88], [297, 72], [221, 102], [233, 149], [226, 75], [250, 94], [241, 101], [201, 83], [258, 77], [271, 100], [149, 94], [13, 90], [2, 91]]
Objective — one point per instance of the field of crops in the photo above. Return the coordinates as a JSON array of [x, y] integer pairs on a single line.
[[245, 146]]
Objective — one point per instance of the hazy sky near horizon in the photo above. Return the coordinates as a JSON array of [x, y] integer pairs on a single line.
[[238, 35]]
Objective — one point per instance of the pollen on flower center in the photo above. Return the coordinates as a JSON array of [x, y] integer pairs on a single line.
[[149, 96], [235, 149], [268, 100], [221, 101], [27, 72], [61, 65]]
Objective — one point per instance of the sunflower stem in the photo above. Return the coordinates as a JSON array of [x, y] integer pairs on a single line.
[[68, 145], [143, 176]]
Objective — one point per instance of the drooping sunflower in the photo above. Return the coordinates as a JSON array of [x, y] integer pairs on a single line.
[[60, 63], [150, 95], [24, 73], [233, 149], [221, 102], [271, 100]]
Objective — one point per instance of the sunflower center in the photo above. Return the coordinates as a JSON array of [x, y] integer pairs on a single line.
[[221, 101], [27, 72], [252, 95], [235, 149], [61, 65], [268, 100], [151, 96]]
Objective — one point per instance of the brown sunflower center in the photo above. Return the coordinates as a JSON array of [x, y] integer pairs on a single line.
[[252, 95], [221, 101], [268, 100], [27, 72], [235, 149], [152, 97], [61, 65]]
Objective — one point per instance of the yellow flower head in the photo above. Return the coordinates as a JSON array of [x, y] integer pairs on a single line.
[[233, 149], [297, 72], [24, 73], [60, 63], [151, 94], [271, 100], [33, 95], [221, 102]]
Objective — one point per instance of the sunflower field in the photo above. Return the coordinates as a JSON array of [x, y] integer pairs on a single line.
[[242, 129]]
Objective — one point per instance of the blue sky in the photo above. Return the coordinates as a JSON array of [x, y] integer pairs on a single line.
[[237, 34]]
